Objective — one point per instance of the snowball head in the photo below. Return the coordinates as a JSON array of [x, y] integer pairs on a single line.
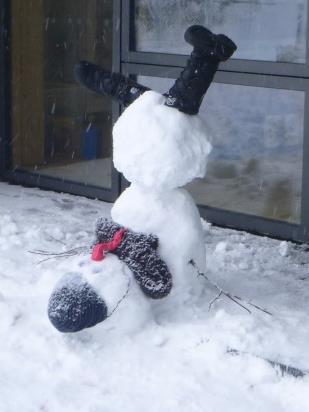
[[158, 146]]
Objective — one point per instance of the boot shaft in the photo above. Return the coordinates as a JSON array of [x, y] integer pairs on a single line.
[[189, 89], [115, 85], [208, 51]]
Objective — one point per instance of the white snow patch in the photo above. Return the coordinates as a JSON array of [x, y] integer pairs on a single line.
[[284, 249], [166, 362], [173, 217], [158, 146]]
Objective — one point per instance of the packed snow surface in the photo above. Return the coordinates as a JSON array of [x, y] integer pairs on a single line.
[[173, 217], [158, 146], [142, 360]]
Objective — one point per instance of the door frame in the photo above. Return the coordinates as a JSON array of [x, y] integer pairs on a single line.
[[32, 179]]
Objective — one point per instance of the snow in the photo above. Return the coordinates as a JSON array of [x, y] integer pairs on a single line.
[[159, 149], [165, 361], [157, 153], [172, 216]]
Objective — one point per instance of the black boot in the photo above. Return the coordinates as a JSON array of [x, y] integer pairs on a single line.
[[104, 82], [74, 305], [208, 51], [217, 46]]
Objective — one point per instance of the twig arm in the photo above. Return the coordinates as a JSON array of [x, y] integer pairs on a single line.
[[235, 299]]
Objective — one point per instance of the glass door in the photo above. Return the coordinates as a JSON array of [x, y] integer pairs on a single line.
[[160, 26], [255, 110], [59, 129]]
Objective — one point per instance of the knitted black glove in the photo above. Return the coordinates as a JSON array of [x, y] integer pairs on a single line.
[[139, 252], [74, 305]]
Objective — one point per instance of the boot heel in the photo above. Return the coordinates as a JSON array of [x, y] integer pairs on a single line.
[[224, 47], [206, 43]]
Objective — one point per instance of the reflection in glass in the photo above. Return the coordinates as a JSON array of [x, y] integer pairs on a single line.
[[60, 129], [160, 25], [257, 136]]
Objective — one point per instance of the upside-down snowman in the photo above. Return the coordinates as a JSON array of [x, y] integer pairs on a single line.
[[141, 257]]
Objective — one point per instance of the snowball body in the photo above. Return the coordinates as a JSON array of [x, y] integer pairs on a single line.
[[160, 149], [128, 307], [158, 146], [173, 217]]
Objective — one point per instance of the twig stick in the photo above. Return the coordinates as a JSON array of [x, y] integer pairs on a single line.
[[50, 237], [214, 300], [259, 308], [121, 299], [53, 255], [233, 298], [282, 368]]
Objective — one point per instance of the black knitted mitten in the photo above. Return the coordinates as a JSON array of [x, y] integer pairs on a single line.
[[75, 305], [139, 252]]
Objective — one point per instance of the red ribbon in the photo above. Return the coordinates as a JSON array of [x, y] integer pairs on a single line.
[[100, 250]]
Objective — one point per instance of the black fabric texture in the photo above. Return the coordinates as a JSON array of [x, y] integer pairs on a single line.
[[209, 50], [139, 252], [216, 46], [115, 85], [74, 305]]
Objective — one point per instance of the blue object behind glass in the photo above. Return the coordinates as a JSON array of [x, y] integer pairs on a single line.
[[89, 149]]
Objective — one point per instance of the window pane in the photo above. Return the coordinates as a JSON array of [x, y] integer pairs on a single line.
[[256, 163], [160, 25], [60, 129]]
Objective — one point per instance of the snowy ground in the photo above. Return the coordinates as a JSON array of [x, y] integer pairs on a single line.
[[169, 364]]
